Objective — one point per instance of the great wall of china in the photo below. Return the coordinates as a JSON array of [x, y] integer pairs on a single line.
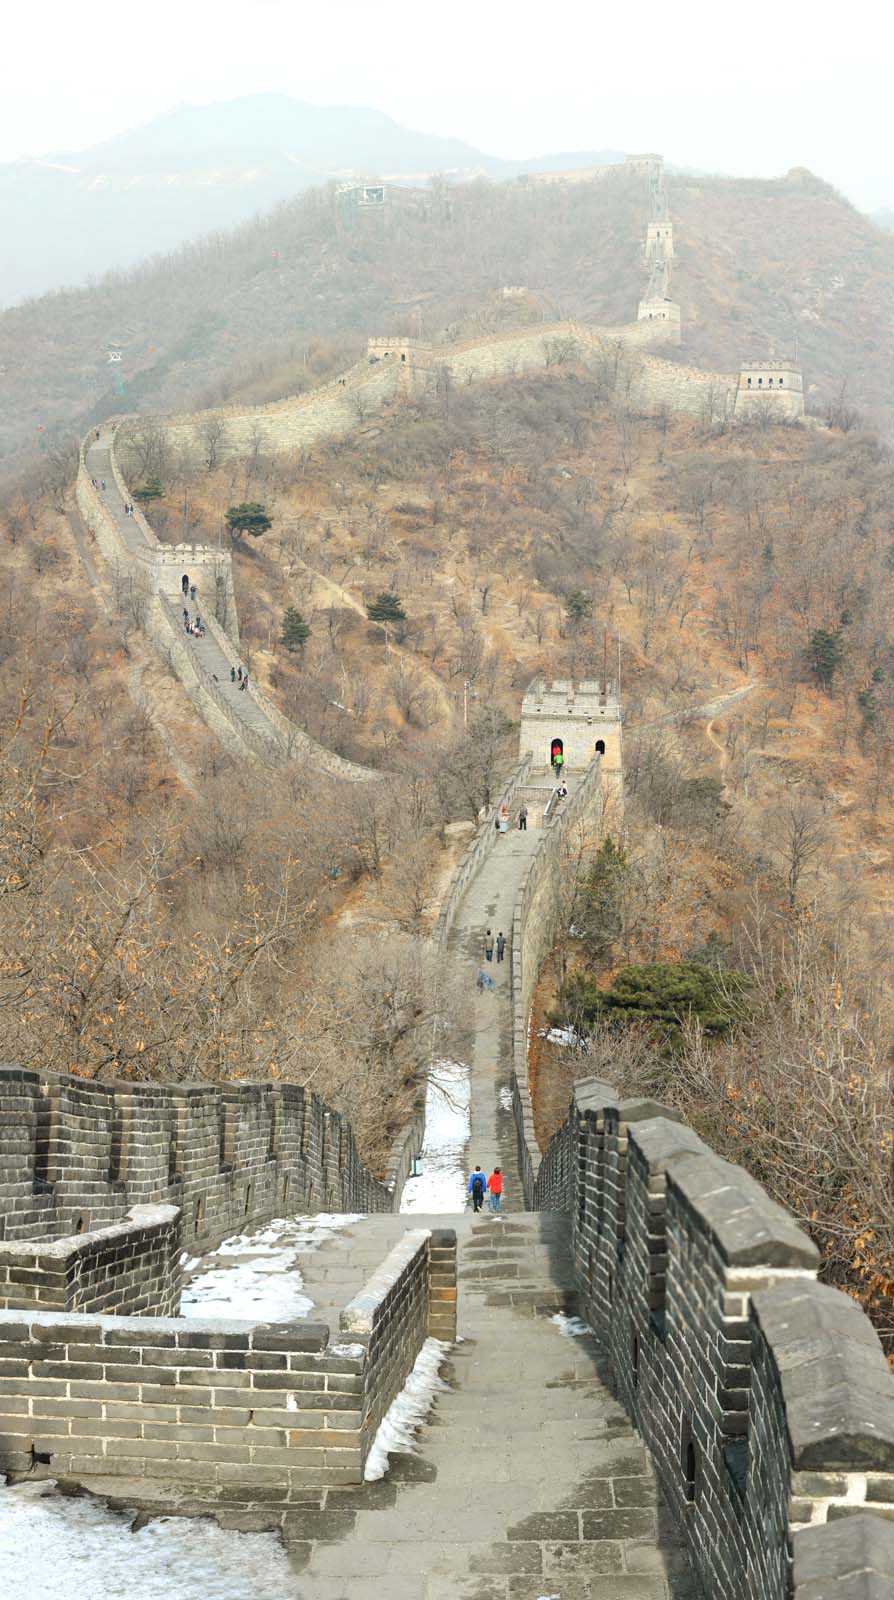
[[762, 1397], [396, 370]]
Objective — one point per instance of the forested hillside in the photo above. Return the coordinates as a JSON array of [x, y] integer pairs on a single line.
[[285, 301]]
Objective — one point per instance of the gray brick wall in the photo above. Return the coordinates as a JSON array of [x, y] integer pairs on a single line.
[[207, 1414], [764, 1396], [76, 1155], [130, 1268]]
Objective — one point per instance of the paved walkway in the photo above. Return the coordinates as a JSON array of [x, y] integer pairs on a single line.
[[528, 1482], [489, 902], [207, 653]]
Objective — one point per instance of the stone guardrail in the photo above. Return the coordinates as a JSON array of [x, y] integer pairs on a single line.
[[77, 1154], [201, 1414], [478, 850], [763, 1396], [532, 937], [131, 1268]]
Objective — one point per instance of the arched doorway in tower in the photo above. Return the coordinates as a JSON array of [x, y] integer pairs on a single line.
[[600, 747], [556, 754]]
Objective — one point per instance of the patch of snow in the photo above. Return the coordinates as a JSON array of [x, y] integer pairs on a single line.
[[255, 1276], [441, 1186], [505, 1099], [408, 1410], [567, 1036], [571, 1327], [352, 1350], [62, 1547]]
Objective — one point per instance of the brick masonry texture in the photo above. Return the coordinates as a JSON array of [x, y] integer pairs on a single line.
[[199, 1413], [764, 1396], [101, 1186], [128, 1269]]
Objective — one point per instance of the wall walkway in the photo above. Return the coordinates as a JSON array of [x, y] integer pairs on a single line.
[[147, 576]]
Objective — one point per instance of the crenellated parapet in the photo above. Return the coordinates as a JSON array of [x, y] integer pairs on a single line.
[[763, 1395]]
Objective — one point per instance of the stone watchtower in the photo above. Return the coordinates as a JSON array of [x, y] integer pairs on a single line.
[[775, 384], [583, 721], [412, 359]]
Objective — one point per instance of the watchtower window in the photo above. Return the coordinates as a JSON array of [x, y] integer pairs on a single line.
[[403, 356], [749, 383], [780, 383]]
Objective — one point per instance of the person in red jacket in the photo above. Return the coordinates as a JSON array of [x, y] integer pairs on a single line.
[[495, 1189]]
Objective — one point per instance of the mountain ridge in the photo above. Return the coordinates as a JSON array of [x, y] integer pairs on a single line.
[[72, 215]]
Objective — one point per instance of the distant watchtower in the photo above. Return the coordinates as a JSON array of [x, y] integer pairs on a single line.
[[775, 384], [411, 357], [583, 721]]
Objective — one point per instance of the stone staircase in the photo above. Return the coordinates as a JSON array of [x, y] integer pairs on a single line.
[[527, 1481]]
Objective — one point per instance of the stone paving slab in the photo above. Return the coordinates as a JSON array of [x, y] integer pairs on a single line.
[[529, 1481]]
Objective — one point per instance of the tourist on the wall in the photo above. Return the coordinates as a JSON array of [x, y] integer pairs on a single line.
[[477, 1186], [523, 818], [501, 946], [495, 1189], [488, 946]]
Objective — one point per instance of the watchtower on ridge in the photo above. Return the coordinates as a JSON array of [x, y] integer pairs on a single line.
[[583, 720], [778, 384]]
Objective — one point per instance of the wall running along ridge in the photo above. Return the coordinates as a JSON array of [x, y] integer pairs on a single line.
[[536, 923], [147, 577], [763, 1396], [101, 1187], [479, 848]]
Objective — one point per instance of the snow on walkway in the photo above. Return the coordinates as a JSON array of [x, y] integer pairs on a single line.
[[254, 1276], [60, 1548], [441, 1186]]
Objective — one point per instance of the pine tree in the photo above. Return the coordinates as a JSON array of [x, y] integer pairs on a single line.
[[661, 993], [825, 654], [248, 517], [386, 608], [151, 490], [295, 631]]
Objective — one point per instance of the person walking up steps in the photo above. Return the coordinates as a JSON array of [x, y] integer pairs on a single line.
[[495, 1190], [501, 946], [523, 818], [489, 945], [477, 1186]]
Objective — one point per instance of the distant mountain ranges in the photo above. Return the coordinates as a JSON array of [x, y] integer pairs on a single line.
[[68, 218]]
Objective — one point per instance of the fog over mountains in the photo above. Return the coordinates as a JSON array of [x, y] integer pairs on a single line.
[[72, 216]]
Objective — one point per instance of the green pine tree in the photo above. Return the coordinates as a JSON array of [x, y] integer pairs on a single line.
[[295, 631], [386, 608], [578, 606], [825, 654], [151, 490], [662, 994], [248, 517]]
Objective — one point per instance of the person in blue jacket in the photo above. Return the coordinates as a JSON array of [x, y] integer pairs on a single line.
[[477, 1188]]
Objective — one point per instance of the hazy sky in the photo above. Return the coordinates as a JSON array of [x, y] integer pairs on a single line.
[[750, 88]]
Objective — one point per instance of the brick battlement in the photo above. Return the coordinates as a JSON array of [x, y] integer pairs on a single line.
[[764, 1396]]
